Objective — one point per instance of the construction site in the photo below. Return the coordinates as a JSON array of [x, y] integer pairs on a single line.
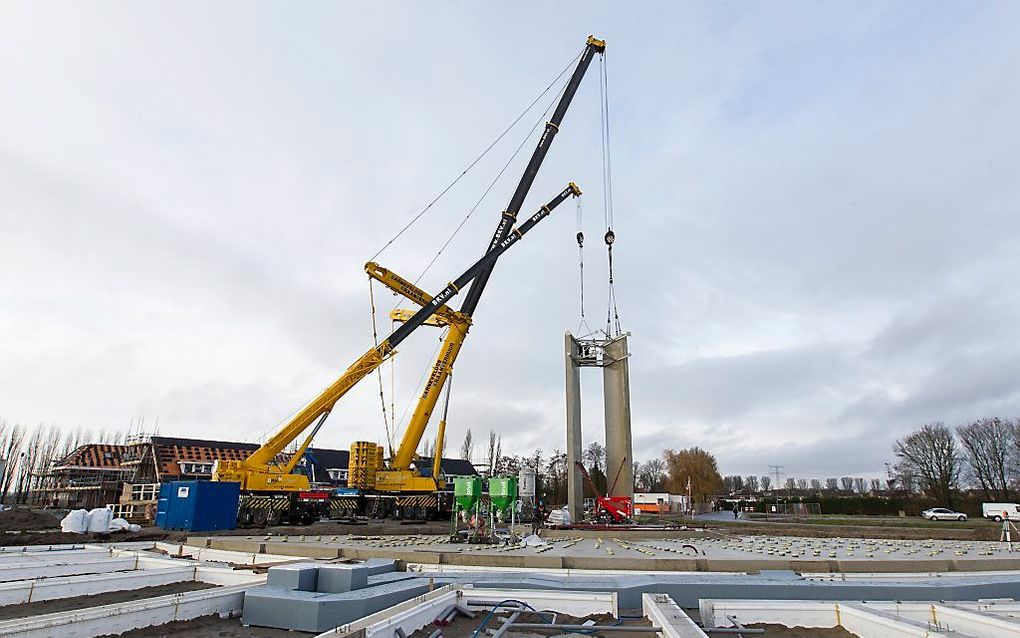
[[403, 536]]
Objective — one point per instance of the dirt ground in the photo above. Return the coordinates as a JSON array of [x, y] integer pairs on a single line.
[[58, 537], [210, 627], [21, 518], [24, 610], [463, 627], [779, 631]]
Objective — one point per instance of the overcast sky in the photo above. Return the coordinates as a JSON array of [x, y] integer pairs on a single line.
[[815, 208]]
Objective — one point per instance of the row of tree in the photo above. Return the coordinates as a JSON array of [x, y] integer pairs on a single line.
[[983, 455], [936, 460], [28, 452], [845, 485]]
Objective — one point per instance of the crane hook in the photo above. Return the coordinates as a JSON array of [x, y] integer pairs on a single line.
[[580, 239], [610, 237]]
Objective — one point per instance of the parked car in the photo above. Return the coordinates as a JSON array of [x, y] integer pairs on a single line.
[[999, 511], [943, 514]]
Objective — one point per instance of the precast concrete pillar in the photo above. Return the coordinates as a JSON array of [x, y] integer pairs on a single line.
[[616, 391], [575, 487]]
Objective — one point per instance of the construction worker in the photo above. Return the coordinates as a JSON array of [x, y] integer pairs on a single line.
[[539, 518]]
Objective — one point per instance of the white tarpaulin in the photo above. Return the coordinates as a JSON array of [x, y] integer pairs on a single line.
[[99, 520], [77, 522]]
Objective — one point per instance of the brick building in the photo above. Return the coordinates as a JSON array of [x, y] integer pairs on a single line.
[[127, 477]]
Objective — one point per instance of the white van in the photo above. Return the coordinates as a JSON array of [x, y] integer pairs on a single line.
[[999, 511]]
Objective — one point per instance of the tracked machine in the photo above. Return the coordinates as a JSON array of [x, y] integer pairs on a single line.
[[272, 491]]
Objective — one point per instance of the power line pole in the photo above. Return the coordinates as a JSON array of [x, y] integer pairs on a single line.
[[776, 469]]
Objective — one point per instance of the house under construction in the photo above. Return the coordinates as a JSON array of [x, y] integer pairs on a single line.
[[127, 477]]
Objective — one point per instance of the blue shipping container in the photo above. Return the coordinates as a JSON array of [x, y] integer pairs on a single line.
[[198, 506]]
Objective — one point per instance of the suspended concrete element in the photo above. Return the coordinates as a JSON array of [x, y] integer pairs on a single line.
[[611, 354]]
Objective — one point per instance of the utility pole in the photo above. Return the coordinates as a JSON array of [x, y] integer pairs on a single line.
[[775, 469]]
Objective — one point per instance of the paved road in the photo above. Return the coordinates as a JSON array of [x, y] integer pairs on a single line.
[[719, 516]]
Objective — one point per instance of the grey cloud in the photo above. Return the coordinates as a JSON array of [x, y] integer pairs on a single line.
[[815, 211]]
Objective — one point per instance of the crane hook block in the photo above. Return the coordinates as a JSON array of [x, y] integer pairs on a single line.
[[610, 237], [580, 240]]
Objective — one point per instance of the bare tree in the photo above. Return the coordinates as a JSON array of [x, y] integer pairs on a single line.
[[467, 448], [595, 455], [831, 484], [816, 485], [766, 482], [791, 483], [846, 483], [986, 447], [802, 484], [751, 482], [29, 460], [738, 483], [11, 439], [492, 452], [535, 461], [876, 485], [48, 455], [860, 485], [653, 475], [932, 455]]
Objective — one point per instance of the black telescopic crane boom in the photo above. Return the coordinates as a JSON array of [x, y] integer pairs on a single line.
[[484, 264], [552, 127]]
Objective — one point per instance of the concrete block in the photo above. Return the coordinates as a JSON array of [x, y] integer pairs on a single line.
[[297, 576], [675, 564], [407, 556], [233, 545], [741, 565], [503, 560], [810, 566], [985, 564], [304, 551]]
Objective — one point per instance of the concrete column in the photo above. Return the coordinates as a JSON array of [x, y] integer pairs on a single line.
[[616, 389], [575, 486]]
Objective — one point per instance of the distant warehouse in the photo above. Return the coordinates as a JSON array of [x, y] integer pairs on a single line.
[[127, 477]]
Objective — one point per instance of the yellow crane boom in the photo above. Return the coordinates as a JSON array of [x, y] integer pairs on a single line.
[[399, 476], [259, 471]]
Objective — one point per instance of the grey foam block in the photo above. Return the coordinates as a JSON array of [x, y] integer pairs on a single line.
[[297, 576], [317, 612], [376, 566], [336, 579]]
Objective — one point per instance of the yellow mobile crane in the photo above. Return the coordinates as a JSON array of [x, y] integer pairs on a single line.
[[272, 491], [261, 476], [414, 490]]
